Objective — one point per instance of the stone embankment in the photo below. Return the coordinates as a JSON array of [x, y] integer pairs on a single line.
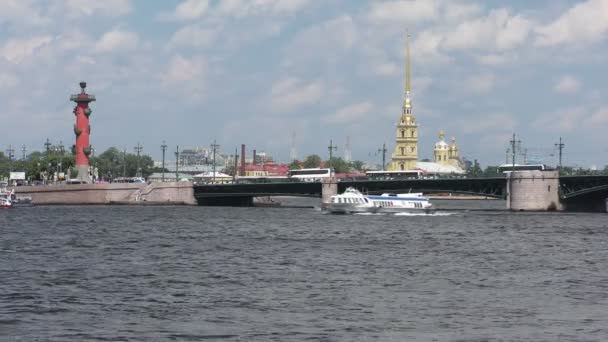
[[173, 193]]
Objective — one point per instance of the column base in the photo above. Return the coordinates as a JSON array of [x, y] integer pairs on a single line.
[[83, 173]]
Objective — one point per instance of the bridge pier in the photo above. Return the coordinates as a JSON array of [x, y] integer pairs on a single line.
[[533, 191], [329, 187], [228, 201]]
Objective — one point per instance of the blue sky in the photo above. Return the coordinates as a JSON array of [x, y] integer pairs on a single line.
[[252, 72]]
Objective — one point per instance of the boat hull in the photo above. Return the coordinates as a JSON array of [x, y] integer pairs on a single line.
[[345, 209], [406, 210]]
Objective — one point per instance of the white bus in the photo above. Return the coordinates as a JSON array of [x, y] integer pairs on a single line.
[[388, 175], [507, 168], [310, 175]]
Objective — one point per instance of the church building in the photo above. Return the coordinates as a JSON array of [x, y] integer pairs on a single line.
[[405, 155], [406, 150]]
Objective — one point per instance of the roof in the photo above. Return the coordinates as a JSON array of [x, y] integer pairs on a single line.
[[431, 167], [270, 168], [169, 175], [211, 175]]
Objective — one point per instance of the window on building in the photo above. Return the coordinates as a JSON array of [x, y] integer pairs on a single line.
[[402, 133], [401, 150]]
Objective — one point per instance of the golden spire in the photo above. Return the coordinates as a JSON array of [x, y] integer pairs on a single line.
[[407, 63], [441, 135]]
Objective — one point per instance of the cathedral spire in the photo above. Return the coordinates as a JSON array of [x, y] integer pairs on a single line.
[[407, 63], [406, 96]]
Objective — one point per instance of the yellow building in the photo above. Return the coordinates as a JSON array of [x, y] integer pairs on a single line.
[[453, 155], [445, 154], [442, 150], [405, 155]]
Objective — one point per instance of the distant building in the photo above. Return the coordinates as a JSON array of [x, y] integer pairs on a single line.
[[157, 177], [211, 177], [268, 170], [405, 154], [445, 154]]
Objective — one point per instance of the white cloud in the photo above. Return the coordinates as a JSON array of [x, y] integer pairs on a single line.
[[584, 22], [499, 30], [117, 40], [187, 10], [349, 114], [8, 80], [599, 117], [290, 93], [242, 8], [182, 69], [455, 11], [426, 48], [403, 10], [565, 120], [325, 39], [567, 85], [193, 36], [112, 8], [495, 122], [21, 12], [385, 69], [16, 50], [494, 59], [481, 83]]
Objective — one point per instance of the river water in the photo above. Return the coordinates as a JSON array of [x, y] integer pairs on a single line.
[[471, 272]]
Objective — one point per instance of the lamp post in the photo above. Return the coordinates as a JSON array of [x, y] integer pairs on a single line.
[[124, 162], [383, 150], [560, 146], [214, 147], [138, 150], [10, 152], [163, 147], [177, 164], [331, 149], [513, 144]]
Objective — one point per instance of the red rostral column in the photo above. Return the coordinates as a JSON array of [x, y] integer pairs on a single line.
[[82, 129]]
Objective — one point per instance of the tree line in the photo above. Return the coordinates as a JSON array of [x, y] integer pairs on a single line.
[[110, 164], [338, 164]]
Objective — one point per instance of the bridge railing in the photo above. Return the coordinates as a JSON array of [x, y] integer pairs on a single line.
[[263, 180]]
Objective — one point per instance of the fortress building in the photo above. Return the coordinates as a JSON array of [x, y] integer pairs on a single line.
[[406, 149], [445, 154], [405, 155]]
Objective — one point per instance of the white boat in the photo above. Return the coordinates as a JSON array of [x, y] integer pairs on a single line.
[[398, 203], [353, 201], [6, 198]]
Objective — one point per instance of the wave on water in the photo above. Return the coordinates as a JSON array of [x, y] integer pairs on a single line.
[[425, 214]]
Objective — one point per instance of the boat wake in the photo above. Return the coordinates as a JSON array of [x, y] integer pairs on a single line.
[[408, 214], [425, 214]]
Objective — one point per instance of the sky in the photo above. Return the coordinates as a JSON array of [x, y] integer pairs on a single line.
[[253, 72]]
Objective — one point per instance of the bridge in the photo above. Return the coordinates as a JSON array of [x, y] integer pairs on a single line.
[[532, 190], [242, 193], [584, 193]]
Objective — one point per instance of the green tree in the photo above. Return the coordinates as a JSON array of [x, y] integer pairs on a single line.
[[295, 165], [339, 165], [112, 162], [475, 169], [490, 171], [312, 161], [357, 165]]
